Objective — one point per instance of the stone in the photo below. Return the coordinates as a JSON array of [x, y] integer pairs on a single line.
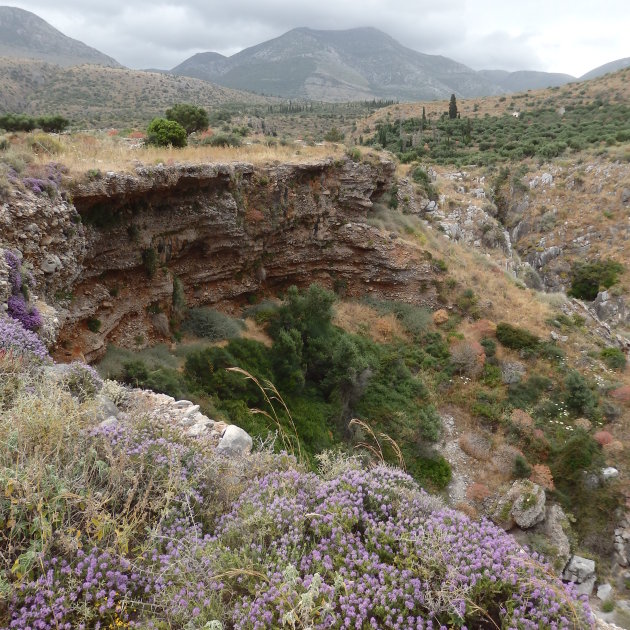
[[161, 324], [579, 570], [50, 264], [583, 423], [586, 587], [220, 427], [604, 591], [523, 504], [105, 408], [609, 473], [235, 441], [553, 527], [182, 404], [625, 195], [191, 411], [512, 372], [546, 179]]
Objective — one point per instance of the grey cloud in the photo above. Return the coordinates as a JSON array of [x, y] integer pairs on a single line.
[[483, 34]]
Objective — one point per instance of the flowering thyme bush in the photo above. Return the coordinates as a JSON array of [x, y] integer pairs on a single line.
[[204, 541], [20, 282], [17, 340]]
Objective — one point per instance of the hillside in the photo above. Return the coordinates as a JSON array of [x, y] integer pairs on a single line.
[[612, 66], [101, 96], [24, 35], [523, 80], [356, 64]]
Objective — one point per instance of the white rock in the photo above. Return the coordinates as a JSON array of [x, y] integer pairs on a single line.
[[579, 570], [235, 441], [604, 591], [609, 473]]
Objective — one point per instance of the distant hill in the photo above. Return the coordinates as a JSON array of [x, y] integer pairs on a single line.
[[611, 66], [355, 64], [25, 35], [101, 96], [523, 80]]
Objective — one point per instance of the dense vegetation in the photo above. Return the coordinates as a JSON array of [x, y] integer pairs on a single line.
[[542, 132], [22, 122]]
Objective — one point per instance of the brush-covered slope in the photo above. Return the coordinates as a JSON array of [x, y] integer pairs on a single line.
[[25, 35], [355, 64], [522, 80], [100, 96]]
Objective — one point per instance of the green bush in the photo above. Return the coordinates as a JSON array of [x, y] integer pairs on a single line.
[[162, 133], [579, 397], [211, 324], [614, 358], [521, 469], [587, 279], [150, 261], [334, 135], [223, 140], [93, 324], [516, 338], [190, 117]]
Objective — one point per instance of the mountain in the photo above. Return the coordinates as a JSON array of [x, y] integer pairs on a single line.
[[526, 79], [611, 66], [355, 64], [25, 35], [100, 96]]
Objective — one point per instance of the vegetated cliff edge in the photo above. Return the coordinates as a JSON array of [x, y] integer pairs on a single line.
[[227, 232]]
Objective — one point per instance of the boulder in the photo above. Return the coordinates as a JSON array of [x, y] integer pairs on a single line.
[[235, 441], [553, 528], [512, 372], [579, 570], [523, 504], [440, 317], [609, 473], [604, 592]]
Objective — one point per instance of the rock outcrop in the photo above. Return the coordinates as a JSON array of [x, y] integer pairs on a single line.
[[226, 232]]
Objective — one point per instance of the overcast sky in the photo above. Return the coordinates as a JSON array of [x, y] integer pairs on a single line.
[[553, 35]]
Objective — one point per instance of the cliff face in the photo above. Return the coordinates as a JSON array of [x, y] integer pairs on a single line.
[[227, 232]]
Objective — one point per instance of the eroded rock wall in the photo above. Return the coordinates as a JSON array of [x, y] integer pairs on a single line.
[[227, 232]]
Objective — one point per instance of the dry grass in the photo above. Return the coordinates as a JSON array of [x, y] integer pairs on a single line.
[[360, 319], [83, 152]]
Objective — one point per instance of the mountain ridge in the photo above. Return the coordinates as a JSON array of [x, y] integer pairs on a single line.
[[24, 34]]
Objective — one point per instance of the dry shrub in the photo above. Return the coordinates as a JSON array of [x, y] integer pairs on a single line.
[[468, 510], [468, 358], [621, 394], [440, 317], [541, 474], [616, 446], [583, 423], [483, 328], [475, 445], [504, 458], [522, 420], [360, 319], [603, 437], [477, 492]]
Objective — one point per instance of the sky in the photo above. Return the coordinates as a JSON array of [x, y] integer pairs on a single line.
[[551, 35]]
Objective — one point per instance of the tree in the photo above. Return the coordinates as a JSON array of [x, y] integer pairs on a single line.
[[452, 107], [190, 117], [162, 132]]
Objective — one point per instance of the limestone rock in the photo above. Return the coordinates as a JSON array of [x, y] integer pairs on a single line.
[[523, 504], [512, 372], [553, 528], [579, 570], [604, 591], [235, 441]]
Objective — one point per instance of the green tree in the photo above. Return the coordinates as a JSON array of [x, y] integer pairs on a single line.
[[162, 132], [452, 107], [190, 117]]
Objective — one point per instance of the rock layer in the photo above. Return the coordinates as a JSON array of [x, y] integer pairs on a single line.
[[227, 232]]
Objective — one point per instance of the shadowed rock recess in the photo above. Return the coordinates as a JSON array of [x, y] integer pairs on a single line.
[[227, 232]]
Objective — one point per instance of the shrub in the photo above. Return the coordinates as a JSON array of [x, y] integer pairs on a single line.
[[466, 359], [82, 381], [211, 324], [223, 140], [579, 397], [614, 358], [42, 143], [587, 279], [516, 338], [190, 117], [28, 316], [150, 261], [334, 135], [93, 324], [541, 474], [17, 340], [53, 124], [163, 133], [521, 469]]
